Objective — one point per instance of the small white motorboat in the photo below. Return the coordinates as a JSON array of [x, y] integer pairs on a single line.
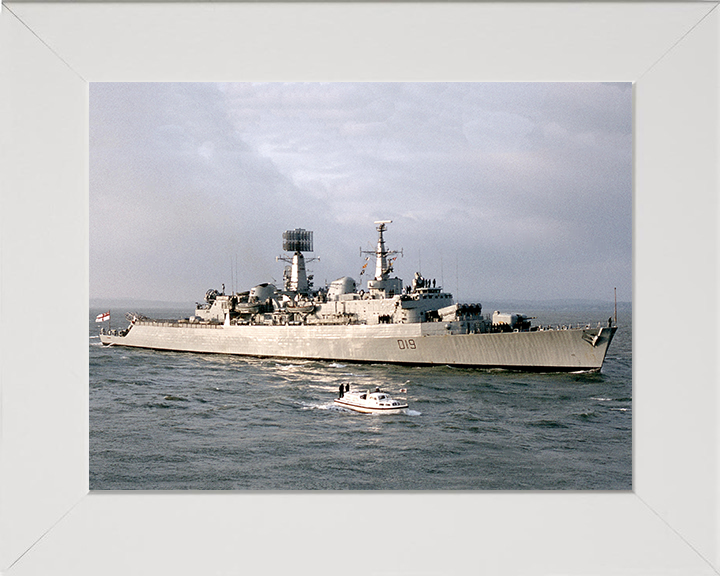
[[371, 402]]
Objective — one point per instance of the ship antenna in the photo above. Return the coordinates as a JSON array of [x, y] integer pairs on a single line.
[[615, 306], [457, 280], [442, 275]]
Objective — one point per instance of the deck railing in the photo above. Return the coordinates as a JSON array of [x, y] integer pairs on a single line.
[[176, 324]]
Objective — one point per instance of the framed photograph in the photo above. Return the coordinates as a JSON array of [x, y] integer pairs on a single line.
[[217, 364], [50, 55]]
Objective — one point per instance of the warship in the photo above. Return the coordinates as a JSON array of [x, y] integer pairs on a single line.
[[385, 322]]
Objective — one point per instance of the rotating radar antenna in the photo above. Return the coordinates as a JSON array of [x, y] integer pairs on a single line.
[[295, 277], [298, 240]]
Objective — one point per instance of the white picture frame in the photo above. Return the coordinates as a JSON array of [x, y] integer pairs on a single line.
[[50, 523]]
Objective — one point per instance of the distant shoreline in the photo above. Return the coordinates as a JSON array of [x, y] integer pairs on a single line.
[[138, 304]]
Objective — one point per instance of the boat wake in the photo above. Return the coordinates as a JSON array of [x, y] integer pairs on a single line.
[[289, 367], [310, 406]]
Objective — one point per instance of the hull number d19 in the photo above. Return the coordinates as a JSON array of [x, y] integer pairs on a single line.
[[406, 344]]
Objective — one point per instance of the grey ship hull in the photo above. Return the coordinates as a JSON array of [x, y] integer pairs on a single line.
[[435, 343]]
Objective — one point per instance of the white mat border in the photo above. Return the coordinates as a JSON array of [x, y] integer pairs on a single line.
[[49, 53]]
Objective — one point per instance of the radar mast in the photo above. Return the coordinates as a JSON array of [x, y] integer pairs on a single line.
[[297, 241], [382, 269], [382, 281]]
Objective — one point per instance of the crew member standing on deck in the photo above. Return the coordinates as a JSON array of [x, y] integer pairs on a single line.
[[341, 391]]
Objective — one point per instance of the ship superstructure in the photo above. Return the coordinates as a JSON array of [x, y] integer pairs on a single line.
[[388, 322]]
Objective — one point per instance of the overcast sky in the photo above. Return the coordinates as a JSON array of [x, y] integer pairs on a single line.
[[501, 191]]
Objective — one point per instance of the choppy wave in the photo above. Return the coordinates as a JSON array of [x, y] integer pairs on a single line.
[[548, 424], [176, 398]]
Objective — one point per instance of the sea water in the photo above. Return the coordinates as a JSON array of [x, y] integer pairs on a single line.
[[185, 421]]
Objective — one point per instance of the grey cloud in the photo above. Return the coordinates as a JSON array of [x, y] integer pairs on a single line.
[[501, 177]]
